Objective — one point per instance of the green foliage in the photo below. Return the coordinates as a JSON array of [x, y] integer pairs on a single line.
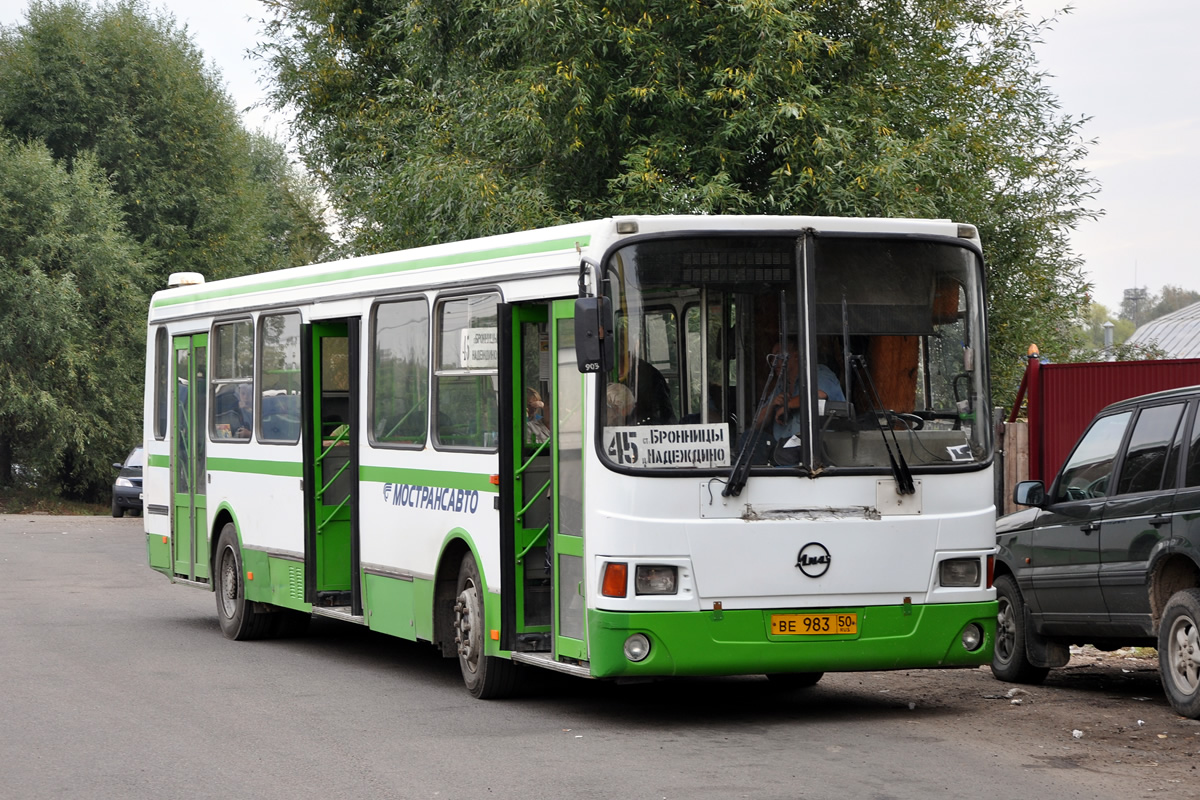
[[70, 361], [129, 87], [1092, 333], [147, 149], [1140, 305], [1171, 299], [434, 120]]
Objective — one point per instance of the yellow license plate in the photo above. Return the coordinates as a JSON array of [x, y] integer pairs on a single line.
[[813, 624]]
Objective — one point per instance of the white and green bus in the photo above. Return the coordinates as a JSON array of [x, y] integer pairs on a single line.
[[623, 449]]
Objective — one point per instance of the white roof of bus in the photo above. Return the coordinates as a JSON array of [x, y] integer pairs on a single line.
[[511, 253]]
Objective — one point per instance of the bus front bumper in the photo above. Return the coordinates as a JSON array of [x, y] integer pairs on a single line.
[[741, 642]]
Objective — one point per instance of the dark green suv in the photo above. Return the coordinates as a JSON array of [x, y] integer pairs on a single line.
[[1110, 554]]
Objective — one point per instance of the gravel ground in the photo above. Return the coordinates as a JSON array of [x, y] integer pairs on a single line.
[[1104, 713]]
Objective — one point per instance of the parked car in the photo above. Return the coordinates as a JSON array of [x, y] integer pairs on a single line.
[[127, 489], [1109, 555]]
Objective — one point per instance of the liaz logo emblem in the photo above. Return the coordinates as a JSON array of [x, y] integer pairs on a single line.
[[813, 559]]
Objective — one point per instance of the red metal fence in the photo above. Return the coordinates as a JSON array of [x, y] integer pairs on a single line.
[[1063, 398]]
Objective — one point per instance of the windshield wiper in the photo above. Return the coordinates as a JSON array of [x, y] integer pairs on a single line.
[[904, 479], [740, 471]]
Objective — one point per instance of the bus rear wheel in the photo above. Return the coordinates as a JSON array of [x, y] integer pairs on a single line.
[[486, 677], [239, 619]]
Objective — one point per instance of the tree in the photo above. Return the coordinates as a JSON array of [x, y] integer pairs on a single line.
[[1140, 305], [1136, 305], [430, 120], [121, 100], [1171, 299], [70, 361], [131, 88], [1098, 317]]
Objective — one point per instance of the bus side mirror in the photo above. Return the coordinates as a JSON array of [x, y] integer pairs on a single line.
[[593, 334], [1029, 493]]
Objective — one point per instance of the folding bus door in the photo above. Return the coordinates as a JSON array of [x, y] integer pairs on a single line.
[[331, 465], [189, 522], [541, 500]]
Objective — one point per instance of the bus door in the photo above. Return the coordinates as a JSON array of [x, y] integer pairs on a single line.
[[189, 526], [567, 436], [331, 465], [541, 480]]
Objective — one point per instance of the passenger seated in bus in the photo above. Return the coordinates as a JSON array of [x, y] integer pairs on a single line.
[[536, 430], [619, 402], [245, 399], [651, 393], [233, 414], [280, 417]]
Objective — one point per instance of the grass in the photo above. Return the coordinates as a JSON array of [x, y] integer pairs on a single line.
[[30, 501]]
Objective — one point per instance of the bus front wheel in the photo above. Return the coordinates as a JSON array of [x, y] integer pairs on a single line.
[[486, 677], [237, 615]]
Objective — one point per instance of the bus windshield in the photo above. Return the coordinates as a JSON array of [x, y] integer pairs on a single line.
[[818, 353]]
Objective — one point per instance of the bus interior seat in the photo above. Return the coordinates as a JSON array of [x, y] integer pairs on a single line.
[[281, 417]]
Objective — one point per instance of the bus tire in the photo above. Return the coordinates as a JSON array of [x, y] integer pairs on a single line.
[[486, 677], [795, 680], [1010, 662], [1179, 652], [237, 615]]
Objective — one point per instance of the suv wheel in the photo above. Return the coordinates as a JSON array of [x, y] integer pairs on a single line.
[[1179, 652], [1009, 661]]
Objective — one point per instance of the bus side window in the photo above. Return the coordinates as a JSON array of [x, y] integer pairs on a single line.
[[465, 381], [233, 381], [279, 378], [400, 366]]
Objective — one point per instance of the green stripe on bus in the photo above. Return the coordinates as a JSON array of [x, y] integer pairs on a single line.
[[286, 469], [383, 269], [158, 461], [419, 477], [428, 477]]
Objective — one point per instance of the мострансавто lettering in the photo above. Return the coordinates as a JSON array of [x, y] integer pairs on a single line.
[[433, 498]]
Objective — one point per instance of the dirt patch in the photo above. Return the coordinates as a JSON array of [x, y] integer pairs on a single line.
[[1103, 712]]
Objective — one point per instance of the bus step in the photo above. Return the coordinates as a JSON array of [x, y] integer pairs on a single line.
[[339, 612], [533, 643], [332, 599], [546, 661], [200, 584]]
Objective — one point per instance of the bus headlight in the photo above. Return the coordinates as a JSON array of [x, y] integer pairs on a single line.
[[959, 572], [655, 579], [637, 647], [972, 638]]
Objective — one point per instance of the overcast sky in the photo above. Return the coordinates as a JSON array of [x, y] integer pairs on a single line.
[[1127, 65]]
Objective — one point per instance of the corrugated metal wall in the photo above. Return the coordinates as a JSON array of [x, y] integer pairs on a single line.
[[1063, 398]]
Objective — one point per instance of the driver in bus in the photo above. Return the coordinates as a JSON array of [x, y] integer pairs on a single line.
[[786, 421]]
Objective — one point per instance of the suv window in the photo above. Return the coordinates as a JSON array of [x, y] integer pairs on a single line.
[[1192, 477], [1149, 446], [1087, 472]]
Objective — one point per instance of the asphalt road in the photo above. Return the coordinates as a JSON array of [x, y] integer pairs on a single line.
[[116, 684]]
